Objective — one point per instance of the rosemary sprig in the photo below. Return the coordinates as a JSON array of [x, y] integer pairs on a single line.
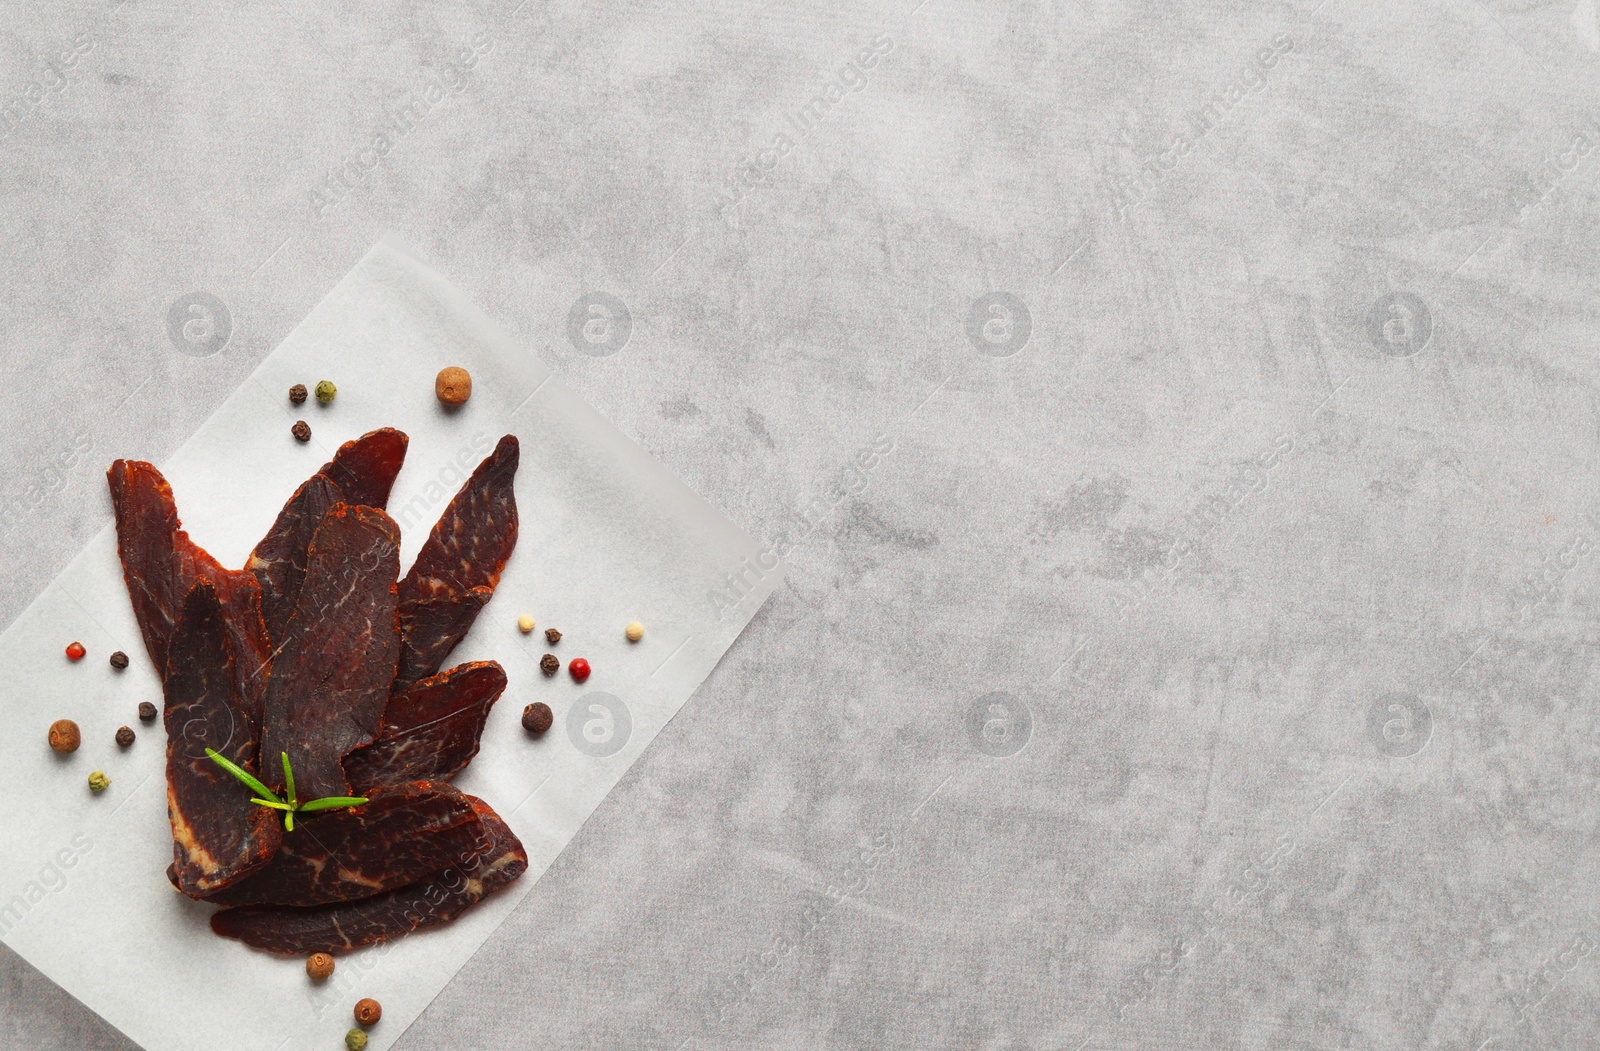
[[268, 798]]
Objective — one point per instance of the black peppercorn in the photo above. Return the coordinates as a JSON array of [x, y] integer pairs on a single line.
[[301, 431], [147, 712], [552, 636], [297, 394], [537, 717], [119, 660], [124, 736], [549, 664]]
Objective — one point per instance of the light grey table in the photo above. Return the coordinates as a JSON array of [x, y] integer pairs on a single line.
[[1204, 657]]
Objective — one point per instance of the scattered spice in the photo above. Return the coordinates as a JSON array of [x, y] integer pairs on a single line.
[[537, 717], [124, 737], [319, 966], [64, 736], [552, 636], [119, 660], [355, 1040], [368, 1011], [635, 631], [301, 431], [578, 669], [325, 391], [297, 394], [147, 712], [525, 624], [453, 386], [99, 782], [75, 651], [549, 664]]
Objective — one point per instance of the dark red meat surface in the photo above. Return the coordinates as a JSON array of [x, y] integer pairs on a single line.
[[330, 678], [431, 731], [497, 859], [219, 836], [458, 567]]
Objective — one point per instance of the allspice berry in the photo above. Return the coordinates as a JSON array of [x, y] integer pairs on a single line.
[[537, 717], [319, 966], [297, 394], [549, 664], [147, 712], [64, 736], [124, 737], [453, 386], [119, 660], [368, 1011], [634, 631], [301, 431], [325, 391], [552, 636]]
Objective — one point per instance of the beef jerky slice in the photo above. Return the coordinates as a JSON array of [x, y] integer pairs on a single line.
[[431, 731], [497, 859], [400, 836], [330, 677], [361, 473], [161, 564], [219, 836], [458, 566]]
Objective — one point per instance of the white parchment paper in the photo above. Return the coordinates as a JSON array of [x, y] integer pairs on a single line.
[[607, 536]]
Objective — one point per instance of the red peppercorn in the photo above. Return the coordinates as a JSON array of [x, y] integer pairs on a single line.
[[578, 669], [75, 651]]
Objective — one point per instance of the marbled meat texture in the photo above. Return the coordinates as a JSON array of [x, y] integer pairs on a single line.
[[330, 678], [431, 731], [161, 564], [403, 834], [219, 836], [497, 859], [361, 474], [458, 567]]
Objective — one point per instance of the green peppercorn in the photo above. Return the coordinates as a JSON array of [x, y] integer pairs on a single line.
[[99, 782], [355, 1040], [325, 391]]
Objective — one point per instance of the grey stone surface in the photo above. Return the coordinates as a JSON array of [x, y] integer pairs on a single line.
[[1204, 658]]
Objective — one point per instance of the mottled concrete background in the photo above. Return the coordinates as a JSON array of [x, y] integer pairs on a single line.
[[1179, 419]]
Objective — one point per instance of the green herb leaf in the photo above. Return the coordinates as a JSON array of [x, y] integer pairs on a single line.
[[288, 779], [239, 772], [288, 821], [329, 802], [270, 803]]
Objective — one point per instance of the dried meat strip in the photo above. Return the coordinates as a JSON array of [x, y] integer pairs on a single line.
[[458, 567], [431, 731], [497, 859], [403, 834], [161, 564], [330, 677], [219, 836], [361, 473]]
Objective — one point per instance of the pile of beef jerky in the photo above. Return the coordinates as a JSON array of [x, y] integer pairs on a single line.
[[318, 649]]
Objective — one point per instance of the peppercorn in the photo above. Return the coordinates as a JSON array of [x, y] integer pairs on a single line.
[[147, 712], [578, 669], [549, 664], [325, 391], [552, 636], [319, 966], [525, 624], [301, 431], [368, 1011], [119, 660], [453, 386], [124, 736], [75, 651], [355, 1040], [64, 736], [537, 717], [99, 782], [297, 394], [634, 631]]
